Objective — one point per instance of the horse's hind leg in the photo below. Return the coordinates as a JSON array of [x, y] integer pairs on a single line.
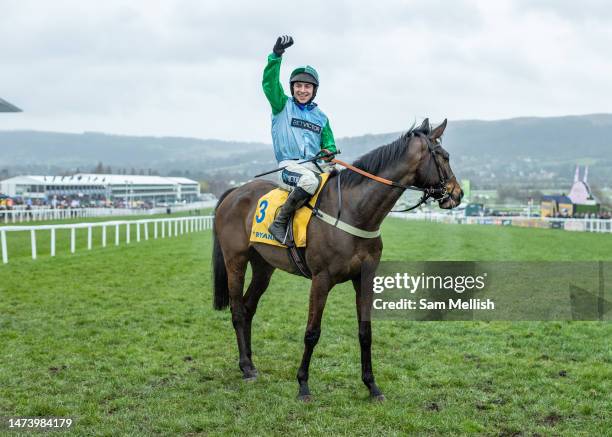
[[236, 268], [262, 272]]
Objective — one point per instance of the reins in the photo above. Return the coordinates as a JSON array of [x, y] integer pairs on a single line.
[[427, 192], [438, 193]]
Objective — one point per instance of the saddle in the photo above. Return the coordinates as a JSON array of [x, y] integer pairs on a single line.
[[265, 212]]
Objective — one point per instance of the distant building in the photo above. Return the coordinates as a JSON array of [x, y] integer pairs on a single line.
[[466, 186], [580, 200], [113, 188], [556, 205], [580, 194], [7, 107]]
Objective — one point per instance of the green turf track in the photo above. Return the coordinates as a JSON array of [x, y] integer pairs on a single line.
[[124, 339]]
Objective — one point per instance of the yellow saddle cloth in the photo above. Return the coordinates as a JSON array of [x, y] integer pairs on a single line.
[[268, 205]]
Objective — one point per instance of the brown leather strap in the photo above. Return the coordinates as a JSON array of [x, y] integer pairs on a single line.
[[295, 254], [364, 173]]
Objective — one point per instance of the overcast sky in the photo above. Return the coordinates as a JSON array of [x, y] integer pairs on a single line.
[[193, 67]]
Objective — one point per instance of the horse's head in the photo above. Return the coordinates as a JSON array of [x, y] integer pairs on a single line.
[[434, 170]]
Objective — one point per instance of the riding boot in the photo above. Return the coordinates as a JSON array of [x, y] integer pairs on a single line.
[[297, 198]]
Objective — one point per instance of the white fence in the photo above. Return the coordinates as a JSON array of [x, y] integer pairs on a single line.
[[568, 224], [162, 228], [40, 214]]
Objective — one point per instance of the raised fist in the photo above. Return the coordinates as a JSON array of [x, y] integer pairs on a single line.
[[282, 43]]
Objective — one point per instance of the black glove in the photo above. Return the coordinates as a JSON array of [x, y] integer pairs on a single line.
[[282, 43], [326, 155]]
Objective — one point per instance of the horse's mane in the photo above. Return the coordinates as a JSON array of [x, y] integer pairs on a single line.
[[378, 159]]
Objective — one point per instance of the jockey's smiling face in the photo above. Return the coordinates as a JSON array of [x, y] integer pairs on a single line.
[[302, 91]]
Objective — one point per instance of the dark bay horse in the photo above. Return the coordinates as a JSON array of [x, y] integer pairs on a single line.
[[332, 255]]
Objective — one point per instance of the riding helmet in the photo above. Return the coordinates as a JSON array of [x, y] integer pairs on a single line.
[[305, 74]]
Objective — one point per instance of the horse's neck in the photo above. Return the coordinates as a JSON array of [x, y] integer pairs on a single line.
[[371, 201]]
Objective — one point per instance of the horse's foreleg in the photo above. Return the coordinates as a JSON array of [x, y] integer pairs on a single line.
[[236, 268], [363, 300], [318, 296], [262, 272]]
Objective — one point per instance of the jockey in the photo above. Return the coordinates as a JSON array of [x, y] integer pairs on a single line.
[[300, 131]]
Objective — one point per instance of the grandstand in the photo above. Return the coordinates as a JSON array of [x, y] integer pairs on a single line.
[[111, 188]]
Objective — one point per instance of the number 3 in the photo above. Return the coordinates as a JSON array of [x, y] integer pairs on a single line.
[[262, 210]]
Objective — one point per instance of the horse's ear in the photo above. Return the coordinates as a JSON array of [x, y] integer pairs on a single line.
[[424, 127], [438, 131]]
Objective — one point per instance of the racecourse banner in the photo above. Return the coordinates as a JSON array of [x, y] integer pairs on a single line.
[[522, 290]]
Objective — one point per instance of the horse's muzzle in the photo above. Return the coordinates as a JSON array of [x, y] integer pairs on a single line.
[[453, 199]]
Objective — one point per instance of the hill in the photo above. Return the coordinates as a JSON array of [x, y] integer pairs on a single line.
[[528, 149]]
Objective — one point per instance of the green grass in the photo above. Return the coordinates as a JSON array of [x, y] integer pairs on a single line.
[[124, 339]]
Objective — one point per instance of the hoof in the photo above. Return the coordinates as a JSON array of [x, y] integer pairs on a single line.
[[304, 398], [378, 398], [250, 376]]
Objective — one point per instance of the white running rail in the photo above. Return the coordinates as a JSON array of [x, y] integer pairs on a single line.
[[38, 214], [162, 228], [568, 224]]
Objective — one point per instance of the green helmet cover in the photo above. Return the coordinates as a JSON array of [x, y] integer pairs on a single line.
[[305, 74]]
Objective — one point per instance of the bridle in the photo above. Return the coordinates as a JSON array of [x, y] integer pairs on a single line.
[[437, 192]]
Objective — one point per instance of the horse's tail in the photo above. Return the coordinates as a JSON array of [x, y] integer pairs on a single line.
[[221, 289]]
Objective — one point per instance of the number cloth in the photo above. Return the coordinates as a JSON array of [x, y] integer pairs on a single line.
[[266, 209]]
